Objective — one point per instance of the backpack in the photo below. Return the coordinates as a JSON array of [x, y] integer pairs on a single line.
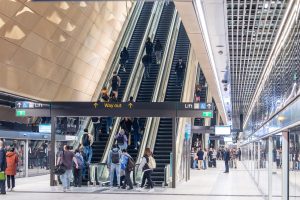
[[114, 81], [115, 157], [85, 140], [151, 162], [120, 139], [130, 164], [79, 161]]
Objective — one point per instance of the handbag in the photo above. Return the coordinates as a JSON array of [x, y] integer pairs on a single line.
[[2, 176], [60, 169]]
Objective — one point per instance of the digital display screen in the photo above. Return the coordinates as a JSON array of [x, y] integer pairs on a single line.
[[45, 128], [222, 130]]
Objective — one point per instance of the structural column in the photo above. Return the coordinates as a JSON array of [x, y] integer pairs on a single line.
[[174, 136], [52, 151], [26, 158], [285, 165], [270, 166]]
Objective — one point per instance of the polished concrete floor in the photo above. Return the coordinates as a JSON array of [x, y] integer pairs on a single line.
[[210, 184]]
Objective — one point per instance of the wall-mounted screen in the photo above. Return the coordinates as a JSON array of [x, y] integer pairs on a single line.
[[222, 130], [45, 128]]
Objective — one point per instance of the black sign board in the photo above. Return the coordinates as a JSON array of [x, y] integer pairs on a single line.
[[127, 109]]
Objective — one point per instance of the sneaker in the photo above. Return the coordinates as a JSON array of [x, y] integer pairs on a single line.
[[12, 189], [151, 190], [138, 143], [130, 188], [124, 70]]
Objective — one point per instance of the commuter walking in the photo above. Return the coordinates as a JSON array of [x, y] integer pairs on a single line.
[[113, 164], [127, 166], [158, 50], [122, 140], [179, 70], [200, 155], [12, 161], [195, 159], [87, 142], [2, 168], [115, 83], [214, 158], [126, 125], [124, 56], [146, 60], [77, 172], [136, 132], [234, 158], [147, 165], [226, 160], [239, 154], [67, 158], [149, 47]]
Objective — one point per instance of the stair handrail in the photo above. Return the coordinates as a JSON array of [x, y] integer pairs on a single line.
[[166, 61], [130, 81], [123, 40]]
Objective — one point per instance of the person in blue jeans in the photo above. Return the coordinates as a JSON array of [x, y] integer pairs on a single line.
[[87, 141], [67, 158], [113, 164], [205, 159], [136, 132]]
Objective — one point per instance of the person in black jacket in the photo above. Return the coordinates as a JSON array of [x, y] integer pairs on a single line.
[[227, 159], [2, 166], [149, 47], [158, 49], [179, 70], [124, 56], [136, 132], [146, 60]]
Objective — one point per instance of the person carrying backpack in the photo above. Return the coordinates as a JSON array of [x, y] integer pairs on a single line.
[[124, 56], [147, 165], [127, 165], [115, 83], [121, 140], [77, 172], [113, 164], [87, 141]]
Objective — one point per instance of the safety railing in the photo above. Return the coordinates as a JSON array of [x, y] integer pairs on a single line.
[[154, 15]]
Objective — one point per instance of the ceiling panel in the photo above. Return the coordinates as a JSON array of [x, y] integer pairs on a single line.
[[252, 29]]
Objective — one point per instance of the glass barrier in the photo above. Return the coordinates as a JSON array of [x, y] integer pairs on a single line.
[[294, 163]]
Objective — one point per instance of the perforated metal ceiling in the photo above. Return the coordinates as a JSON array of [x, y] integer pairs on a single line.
[[252, 28]]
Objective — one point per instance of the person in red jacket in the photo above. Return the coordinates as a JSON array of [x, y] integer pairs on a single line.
[[11, 170]]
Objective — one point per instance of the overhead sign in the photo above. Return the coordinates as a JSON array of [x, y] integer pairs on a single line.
[[20, 113], [207, 114], [30, 105], [122, 109]]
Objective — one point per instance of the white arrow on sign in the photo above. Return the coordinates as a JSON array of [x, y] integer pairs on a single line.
[[19, 105]]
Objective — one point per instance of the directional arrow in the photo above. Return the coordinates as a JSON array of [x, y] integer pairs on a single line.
[[19, 104], [96, 105], [130, 105]]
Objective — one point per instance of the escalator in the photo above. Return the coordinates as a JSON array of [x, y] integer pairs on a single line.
[[133, 49], [147, 86], [134, 46], [163, 146], [202, 80]]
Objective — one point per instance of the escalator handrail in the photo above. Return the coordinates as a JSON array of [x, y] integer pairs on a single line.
[[130, 81], [160, 77]]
